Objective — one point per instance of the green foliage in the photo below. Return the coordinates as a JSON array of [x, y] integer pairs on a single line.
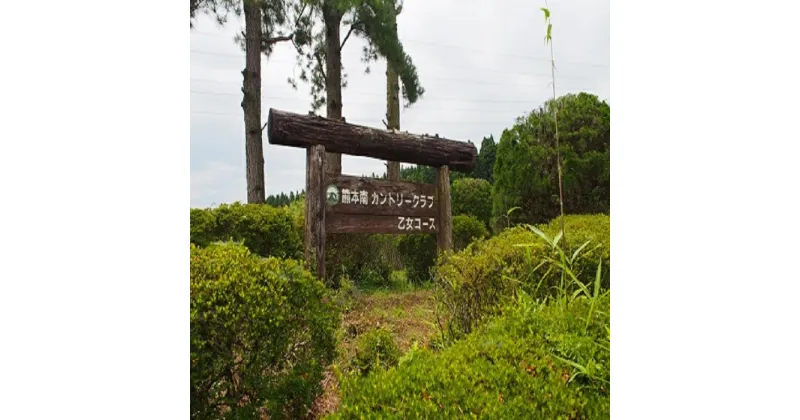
[[345, 296], [426, 174], [375, 350], [467, 229], [265, 230], [365, 258], [484, 167], [398, 281], [474, 283], [525, 172], [536, 361], [472, 196], [284, 200], [418, 173], [276, 17], [418, 253], [203, 226], [374, 21], [262, 331]]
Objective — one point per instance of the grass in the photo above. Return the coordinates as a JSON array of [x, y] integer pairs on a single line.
[[408, 313], [409, 316]]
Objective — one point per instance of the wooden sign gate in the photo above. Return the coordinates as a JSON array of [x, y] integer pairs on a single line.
[[348, 204]]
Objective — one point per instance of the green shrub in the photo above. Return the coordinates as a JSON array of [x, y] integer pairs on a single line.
[[265, 325], [202, 227], [536, 361], [265, 230], [398, 281], [525, 170], [362, 257], [346, 294], [467, 229], [474, 283], [419, 256], [472, 197], [375, 350]]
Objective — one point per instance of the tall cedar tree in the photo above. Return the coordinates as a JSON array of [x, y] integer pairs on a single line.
[[265, 25], [393, 102], [319, 46], [484, 168]]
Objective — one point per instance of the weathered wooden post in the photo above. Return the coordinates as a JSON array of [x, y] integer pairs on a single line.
[[315, 210], [445, 236]]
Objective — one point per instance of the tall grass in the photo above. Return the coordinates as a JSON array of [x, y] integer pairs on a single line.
[[571, 289]]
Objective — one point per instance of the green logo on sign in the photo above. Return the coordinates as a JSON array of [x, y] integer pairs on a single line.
[[333, 195]]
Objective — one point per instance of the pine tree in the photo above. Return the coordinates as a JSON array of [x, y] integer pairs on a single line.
[[265, 24], [320, 53]]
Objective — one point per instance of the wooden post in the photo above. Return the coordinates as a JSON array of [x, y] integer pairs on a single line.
[[445, 236], [315, 211]]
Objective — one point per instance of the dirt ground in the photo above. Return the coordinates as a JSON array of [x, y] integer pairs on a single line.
[[409, 316]]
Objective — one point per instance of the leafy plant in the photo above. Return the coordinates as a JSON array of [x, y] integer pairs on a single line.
[[537, 360], [473, 197], [264, 230], [467, 229], [549, 40], [418, 253], [364, 258], [474, 283], [526, 172], [261, 332], [375, 350]]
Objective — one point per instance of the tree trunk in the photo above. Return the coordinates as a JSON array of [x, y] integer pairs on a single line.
[[392, 114], [333, 82], [254, 148]]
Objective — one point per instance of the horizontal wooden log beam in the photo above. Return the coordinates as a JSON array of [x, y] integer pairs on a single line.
[[290, 129], [357, 195]]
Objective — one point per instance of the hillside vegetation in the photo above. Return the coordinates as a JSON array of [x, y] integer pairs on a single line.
[[514, 322]]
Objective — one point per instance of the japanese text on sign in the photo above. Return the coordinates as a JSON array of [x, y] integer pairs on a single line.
[[415, 223], [380, 199]]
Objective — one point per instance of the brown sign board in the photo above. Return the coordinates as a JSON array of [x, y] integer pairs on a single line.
[[367, 205], [367, 223], [347, 204]]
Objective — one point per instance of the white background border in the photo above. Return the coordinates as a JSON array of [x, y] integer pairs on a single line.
[[94, 170]]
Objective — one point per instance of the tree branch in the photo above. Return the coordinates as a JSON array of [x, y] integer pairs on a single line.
[[320, 65], [352, 26], [290, 37], [279, 38]]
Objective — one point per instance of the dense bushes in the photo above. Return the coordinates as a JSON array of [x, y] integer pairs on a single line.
[[467, 229], [418, 252], [265, 230], [375, 350], [525, 170], [537, 361], [262, 331], [419, 255], [365, 258], [473, 283], [278, 231], [473, 197]]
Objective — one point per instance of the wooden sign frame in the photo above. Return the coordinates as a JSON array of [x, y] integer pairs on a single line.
[[366, 210]]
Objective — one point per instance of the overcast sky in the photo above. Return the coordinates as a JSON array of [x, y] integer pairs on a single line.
[[482, 62]]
